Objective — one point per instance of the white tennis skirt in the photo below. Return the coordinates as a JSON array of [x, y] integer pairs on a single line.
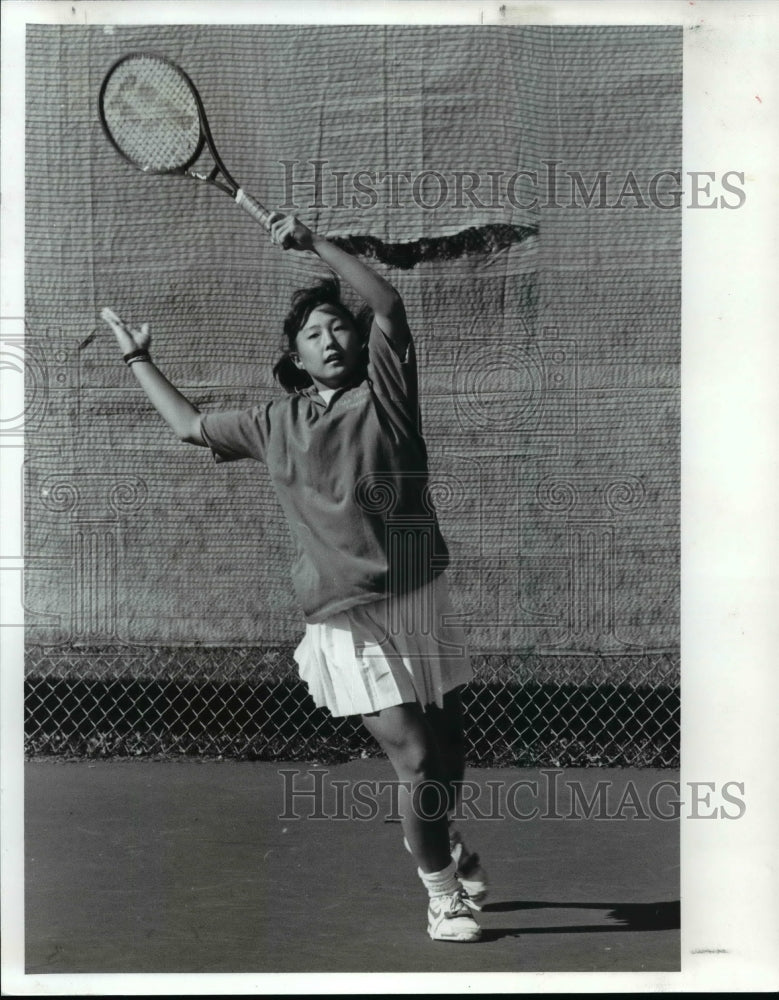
[[399, 649]]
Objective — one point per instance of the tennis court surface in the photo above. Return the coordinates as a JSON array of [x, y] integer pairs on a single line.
[[189, 866]]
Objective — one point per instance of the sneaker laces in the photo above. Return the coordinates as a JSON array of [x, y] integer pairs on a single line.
[[457, 900]]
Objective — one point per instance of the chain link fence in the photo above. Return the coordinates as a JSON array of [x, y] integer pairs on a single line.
[[247, 703]]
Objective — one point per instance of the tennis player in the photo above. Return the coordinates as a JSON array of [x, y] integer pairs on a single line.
[[348, 462]]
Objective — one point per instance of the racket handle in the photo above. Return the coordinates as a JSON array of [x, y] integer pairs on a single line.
[[253, 207]]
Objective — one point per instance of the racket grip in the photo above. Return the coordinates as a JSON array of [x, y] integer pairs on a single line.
[[253, 207]]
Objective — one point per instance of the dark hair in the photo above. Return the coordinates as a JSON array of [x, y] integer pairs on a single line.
[[304, 302]]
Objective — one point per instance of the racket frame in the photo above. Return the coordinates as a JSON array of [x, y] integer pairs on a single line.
[[229, 185]]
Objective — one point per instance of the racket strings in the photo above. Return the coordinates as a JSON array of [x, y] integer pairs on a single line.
[[151, 113]]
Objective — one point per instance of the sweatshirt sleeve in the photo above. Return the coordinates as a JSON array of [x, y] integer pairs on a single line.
[[236, 434], [392, 367]]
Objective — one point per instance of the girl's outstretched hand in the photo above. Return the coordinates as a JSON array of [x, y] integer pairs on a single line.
[[290, 233], [128, 338]]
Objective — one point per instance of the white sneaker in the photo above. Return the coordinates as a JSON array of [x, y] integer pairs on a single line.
[[470, 874], [449, 918]]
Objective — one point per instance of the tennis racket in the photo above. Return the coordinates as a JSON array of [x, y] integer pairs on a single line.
[[153, 116]]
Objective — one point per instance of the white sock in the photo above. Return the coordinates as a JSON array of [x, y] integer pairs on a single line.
[[441, 883]]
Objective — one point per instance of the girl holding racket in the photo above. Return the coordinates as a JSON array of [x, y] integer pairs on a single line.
[[349, 466]]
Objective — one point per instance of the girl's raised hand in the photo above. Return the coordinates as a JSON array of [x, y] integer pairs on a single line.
[[128, 338], [290, 233]]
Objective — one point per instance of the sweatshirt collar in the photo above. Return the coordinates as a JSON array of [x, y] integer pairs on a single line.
[[311, 391]]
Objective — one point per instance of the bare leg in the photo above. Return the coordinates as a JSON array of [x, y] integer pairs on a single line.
[[448, 730], [447, 724], [405, 735]]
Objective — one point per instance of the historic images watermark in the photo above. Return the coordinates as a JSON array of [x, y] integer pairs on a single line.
[[314, 184], [308, 794]]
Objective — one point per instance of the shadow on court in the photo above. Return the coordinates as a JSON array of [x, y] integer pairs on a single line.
[[199, 866]]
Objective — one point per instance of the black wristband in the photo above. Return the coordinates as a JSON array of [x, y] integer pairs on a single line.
[[139, 352], [142, 359]]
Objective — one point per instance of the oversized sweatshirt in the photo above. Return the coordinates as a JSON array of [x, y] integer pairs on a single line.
[[351, 475]]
